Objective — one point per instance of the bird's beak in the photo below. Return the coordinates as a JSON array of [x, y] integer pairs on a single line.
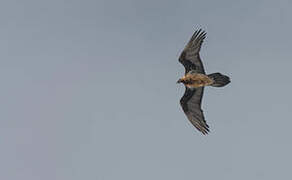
[[179, 81]]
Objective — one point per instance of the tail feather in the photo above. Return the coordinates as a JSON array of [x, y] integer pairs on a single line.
[[220, 80]]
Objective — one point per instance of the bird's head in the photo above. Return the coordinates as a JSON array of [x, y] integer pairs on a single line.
[[180, 80], [184, 80]]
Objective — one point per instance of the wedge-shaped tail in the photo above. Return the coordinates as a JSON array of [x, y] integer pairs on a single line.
[[220, 80]]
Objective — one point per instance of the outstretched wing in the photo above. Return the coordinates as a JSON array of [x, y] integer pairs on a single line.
[[190, 57], [191, 105]]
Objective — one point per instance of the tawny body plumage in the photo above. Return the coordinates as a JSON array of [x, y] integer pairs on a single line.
[[195, 80]]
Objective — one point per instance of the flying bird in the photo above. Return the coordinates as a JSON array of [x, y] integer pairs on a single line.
[[195, 79]]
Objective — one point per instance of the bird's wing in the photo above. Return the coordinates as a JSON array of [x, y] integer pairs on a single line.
[[191, 105], [190, 57]]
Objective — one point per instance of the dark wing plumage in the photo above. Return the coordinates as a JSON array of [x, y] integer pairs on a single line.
[[191, 104], [192, 98], [190, 57]]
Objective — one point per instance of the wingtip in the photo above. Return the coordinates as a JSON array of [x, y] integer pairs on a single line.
[[200, 30], [203, 129], [206, 132], [199, 34]]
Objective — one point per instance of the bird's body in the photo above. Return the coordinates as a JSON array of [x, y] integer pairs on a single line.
[[195, 80]]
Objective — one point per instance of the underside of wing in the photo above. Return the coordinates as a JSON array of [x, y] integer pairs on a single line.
[[190, 57], [191, 104]]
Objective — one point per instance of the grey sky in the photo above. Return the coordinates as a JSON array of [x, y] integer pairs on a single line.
[[88, 90]]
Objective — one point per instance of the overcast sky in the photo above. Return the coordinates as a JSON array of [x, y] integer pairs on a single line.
[[88, 90]]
